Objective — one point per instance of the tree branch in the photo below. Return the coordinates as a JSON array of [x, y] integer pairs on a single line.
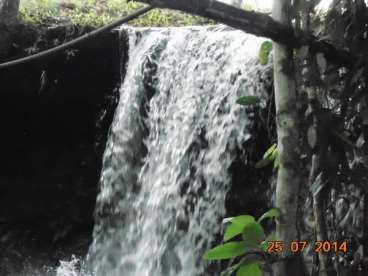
[[75, 42], [258, 24]]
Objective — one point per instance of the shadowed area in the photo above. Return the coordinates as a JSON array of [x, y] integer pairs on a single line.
[[54, 120]]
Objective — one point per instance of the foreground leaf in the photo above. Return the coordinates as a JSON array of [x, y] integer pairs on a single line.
[[270, 151], [271, 155], [264, 52], [226, 251], [253, 233], [248, 100], [274, 212], [237, 225], [249, 269]]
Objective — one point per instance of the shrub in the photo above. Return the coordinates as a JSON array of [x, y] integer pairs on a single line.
[[99, 12]]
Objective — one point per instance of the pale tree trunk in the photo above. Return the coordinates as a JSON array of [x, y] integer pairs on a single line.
[[9, 11], [289, 178], [8, 19]]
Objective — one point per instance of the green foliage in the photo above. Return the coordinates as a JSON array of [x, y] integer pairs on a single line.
[[252, 240], [269, 157], [249, 269], [248, 100], [264, 52], [274, 212], [253, 233], [97, 13], [226, 251], [236, 226]]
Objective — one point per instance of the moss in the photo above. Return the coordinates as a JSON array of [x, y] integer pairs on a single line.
[[99, 12]]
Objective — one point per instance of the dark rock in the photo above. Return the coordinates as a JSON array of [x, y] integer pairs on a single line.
[[54, 120]]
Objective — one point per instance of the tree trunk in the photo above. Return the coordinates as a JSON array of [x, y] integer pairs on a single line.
[[289, 178], [8, 19], [318, 160], [9, 11]]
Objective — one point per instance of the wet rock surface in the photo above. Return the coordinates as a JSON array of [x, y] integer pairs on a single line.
[[54, 118]]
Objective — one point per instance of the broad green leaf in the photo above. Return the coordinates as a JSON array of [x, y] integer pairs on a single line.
[[242, 220], [274, 212], [248, 100], [253, 233], [264, 52], [270, 151], [226, 251], [249, 269], [237, 225]]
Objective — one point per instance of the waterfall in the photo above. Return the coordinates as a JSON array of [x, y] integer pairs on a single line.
[[165, 168]]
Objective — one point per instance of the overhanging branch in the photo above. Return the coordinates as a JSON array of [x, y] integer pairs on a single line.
[[258, 24], [89, 36]]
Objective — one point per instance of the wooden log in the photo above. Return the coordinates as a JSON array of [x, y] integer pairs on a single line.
[[258, 24]]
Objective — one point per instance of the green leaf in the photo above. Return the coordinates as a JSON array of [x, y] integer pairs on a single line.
[[271, 155], [226, 251], [274, 155], [248, 100], [249, 269], [253, 233], [237, 225], [270, 151], [264, 52], [274, 212]]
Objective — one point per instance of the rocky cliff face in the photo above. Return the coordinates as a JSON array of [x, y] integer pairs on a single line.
[[54, 119]]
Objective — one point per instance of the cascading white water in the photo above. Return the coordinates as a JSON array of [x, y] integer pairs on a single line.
[[165, 172]]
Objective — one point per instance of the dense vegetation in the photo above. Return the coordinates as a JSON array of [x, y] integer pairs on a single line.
[[99, 12], [330, 119], [327, 104]]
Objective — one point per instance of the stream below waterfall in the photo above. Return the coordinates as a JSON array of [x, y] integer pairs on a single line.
[[172, 141]]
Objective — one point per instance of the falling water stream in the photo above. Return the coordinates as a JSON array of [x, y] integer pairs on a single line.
[[165, 169]]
